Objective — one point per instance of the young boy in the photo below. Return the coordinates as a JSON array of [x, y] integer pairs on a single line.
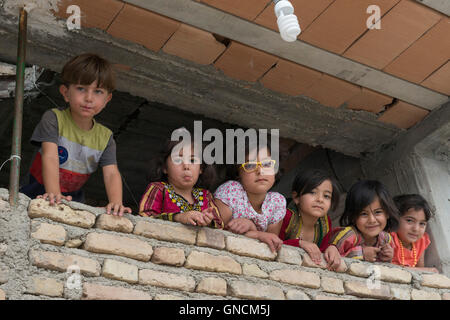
[[72, 144]]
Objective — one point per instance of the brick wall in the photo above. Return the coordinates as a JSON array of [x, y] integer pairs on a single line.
[[77, 252]]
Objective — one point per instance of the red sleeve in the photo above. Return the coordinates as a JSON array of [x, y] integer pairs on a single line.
[[325, 241], [151, 201], [286, 220], [292, 242], [151, 204]]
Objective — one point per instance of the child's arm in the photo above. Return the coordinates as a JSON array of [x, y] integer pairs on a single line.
[[421, 266], [225, 211], [270, 237], [195, 218], [241, 225], [386, 254], [113, 186], [347, 243], [312, 249], [50, 173], [332, 257]]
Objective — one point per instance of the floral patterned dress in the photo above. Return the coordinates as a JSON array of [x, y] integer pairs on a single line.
[[273, 209]]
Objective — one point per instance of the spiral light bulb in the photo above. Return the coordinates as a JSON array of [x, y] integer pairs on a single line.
[[287, 21]]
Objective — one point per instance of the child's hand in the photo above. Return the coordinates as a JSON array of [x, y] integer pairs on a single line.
[[241, 225], [313, 250], [117, 209], [208, 215], [195, 218], [272, 240], [54, 198], [332, 257], [370, 253], [386, 254]]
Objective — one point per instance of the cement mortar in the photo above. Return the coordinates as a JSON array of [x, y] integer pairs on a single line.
[[15, 231]]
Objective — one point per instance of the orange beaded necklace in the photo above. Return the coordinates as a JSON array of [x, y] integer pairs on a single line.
[[403, 254]]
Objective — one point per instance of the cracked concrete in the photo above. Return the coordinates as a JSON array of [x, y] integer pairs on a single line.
[[161, 78]]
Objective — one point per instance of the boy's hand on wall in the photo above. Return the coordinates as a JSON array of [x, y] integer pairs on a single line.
[[370, 253], [54, 198], [117, 209]]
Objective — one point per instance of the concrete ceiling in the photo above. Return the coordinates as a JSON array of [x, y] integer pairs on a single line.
[[339, 85]]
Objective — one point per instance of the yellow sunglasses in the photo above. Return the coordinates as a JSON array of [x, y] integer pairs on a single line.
[[253, 165]]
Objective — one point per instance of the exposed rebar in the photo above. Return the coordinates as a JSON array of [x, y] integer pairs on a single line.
[[18, 111]]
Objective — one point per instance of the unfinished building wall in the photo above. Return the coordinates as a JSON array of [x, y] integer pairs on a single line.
[[76, 252]]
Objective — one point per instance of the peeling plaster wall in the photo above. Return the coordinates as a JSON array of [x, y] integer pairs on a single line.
[[203, 90]]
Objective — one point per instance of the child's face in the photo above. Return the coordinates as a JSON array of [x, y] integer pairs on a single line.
[[260, 180], [183, 171], [372, 219], [412, 226], [85, 101], [317, 202]]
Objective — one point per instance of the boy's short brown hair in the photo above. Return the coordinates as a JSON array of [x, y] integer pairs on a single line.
[[87, 68]]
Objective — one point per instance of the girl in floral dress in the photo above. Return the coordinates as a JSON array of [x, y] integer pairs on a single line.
[[246, 203]]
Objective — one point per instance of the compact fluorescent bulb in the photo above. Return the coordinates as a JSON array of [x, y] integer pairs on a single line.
[[287, 21]]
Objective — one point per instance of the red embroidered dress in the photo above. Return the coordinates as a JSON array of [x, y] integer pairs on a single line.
[[161, 201], [292, 227]]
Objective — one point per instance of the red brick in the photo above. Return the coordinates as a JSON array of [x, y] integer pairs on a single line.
[[403, 115], [194, 44], [400, 28], [440, 80], [331, 91], [425, 55], [341, 24], [245, 63], [369, 100], [290, 78], [94, 14], [143, 27]]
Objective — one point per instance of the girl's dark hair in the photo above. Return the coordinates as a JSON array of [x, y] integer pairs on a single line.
[[307, 180], [361, 195], [158, 164], [232, 171], [405, 202]]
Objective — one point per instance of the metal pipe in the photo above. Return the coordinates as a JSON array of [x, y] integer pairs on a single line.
[[18, 111]]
